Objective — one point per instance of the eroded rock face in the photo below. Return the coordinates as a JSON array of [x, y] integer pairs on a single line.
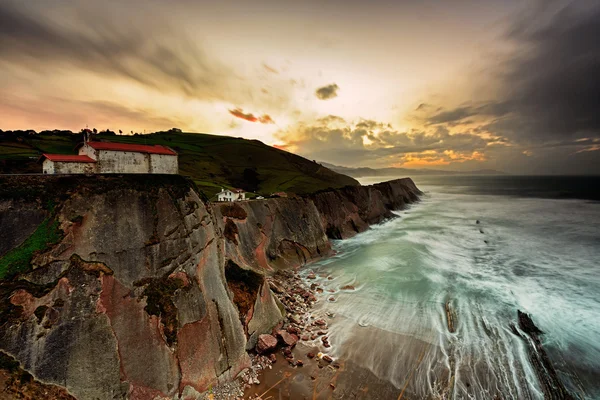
[[151, 293], [272, 234], [133, 301], [352, 209]]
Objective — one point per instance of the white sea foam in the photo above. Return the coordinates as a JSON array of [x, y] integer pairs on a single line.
[[540, 256]]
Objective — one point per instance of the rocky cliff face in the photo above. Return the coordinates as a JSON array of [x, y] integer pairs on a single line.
[[352, 209], [145, 291]]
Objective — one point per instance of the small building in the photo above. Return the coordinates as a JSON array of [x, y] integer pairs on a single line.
[[113, 158], [231, 195], [68, 164]]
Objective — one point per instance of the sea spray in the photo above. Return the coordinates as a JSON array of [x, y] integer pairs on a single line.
[[410, 273]]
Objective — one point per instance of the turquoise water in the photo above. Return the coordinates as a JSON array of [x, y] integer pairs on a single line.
[[541, 256]]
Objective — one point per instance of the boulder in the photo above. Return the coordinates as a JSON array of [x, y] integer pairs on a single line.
[[289, 339], [265, 344]]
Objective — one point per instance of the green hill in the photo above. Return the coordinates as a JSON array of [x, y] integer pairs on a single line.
[[212, 161]]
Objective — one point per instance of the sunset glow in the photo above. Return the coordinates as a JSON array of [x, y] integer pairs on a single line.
[[439, 87]]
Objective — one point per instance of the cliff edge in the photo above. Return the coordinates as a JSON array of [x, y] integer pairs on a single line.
[[132, 286]]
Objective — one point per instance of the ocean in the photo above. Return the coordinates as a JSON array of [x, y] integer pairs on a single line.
[[484, 247]]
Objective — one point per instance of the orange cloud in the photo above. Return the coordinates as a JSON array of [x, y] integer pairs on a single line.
[[436, 159], [266, 119], [263, 119]]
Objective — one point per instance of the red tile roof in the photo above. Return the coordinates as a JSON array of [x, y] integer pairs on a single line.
[[138, 148], [68, 158]]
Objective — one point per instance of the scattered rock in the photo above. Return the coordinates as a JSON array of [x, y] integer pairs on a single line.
[[265, 344], [330, 277], [320, 322], [311, 276], [348, 287], [311, 355], [288, 339], [272, 358], [477, 222], [326, 358], [331, 299], [275, 287]]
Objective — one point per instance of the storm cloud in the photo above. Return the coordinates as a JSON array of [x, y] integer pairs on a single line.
[[551, 85]]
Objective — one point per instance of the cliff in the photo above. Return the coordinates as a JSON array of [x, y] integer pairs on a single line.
[[133, 287], [352, 209]]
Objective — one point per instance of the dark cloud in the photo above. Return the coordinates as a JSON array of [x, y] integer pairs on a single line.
[[148, 53], [263, 119], [556, 80], [327, 92], [551, 86]]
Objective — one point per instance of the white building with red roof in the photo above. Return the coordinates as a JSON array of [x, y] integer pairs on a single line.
[[113, 158], [231, 195]]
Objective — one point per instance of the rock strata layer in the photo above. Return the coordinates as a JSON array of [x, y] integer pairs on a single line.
[[144, 290]]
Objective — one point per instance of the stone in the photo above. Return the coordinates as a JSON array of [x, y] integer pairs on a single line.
[[320, 322], [312, 276], [266, 343], [326, 358], [288, 339], [348, 287], [273, 357], [311, 355], [293, 330]]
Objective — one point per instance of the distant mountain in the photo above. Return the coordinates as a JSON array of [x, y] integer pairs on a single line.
[[366, 171]]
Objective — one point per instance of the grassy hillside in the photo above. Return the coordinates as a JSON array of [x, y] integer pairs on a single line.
[[212, 161]]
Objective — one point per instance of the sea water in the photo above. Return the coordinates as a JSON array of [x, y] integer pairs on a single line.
[[536, 249]]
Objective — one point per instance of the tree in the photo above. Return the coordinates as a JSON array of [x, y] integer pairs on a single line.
[[120, 132], [95, 130]]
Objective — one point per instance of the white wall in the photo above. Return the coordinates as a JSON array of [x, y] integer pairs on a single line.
[[86, 150], [122, 162], [58, 167], [48, 166], [163, 164], [230, 196]]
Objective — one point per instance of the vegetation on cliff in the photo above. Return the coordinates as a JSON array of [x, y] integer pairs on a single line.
[[18, 260], [212, 161]]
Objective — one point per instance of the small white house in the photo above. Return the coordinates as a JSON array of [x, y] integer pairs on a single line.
[[231, 195], [113, 158]]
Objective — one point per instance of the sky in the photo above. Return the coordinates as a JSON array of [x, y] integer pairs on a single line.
[[510, 85]]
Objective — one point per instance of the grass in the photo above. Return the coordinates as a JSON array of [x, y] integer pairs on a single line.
[[211, 161], [18, 260]]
